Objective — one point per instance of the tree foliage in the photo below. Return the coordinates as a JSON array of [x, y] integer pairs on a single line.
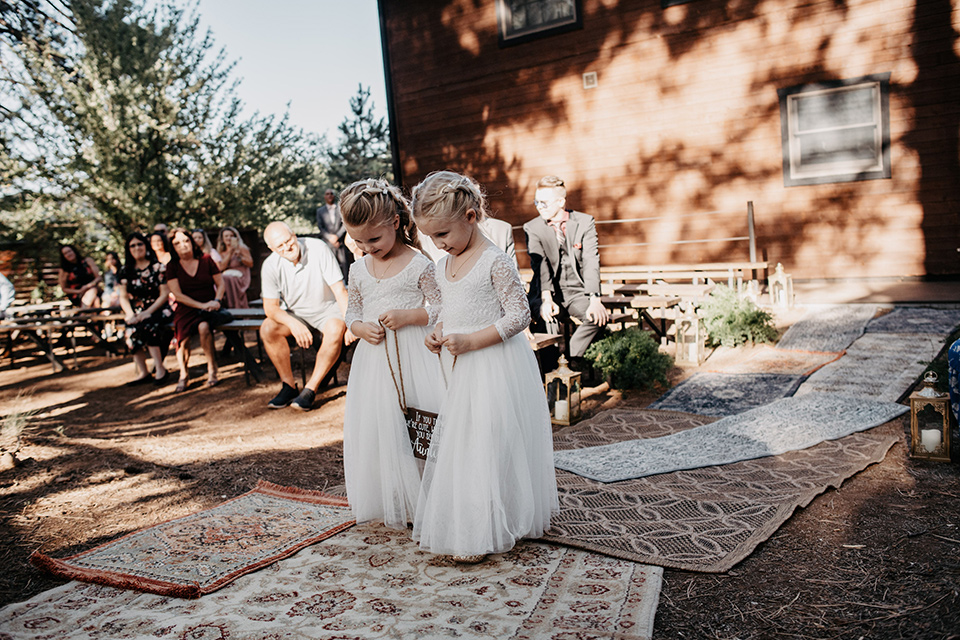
[[132, 114], [364, 148]]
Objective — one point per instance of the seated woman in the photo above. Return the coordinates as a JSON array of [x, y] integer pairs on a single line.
[[235, 264], [111, 276], [143, 297], [79, 277], [203, 241], [160, 244], [195, 281]]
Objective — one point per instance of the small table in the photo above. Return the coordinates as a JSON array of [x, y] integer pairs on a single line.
[[645, 303]]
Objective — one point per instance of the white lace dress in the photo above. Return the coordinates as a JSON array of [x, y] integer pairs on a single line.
[[382, 475], [489, 478]]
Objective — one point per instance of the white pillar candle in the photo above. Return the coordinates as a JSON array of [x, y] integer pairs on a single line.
[[930, 439], [561, 410]]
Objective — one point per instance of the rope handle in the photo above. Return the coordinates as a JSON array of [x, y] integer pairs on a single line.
[[401, 391]]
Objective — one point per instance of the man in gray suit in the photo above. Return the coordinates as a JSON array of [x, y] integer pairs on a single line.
[[565, 258], [333, 231]]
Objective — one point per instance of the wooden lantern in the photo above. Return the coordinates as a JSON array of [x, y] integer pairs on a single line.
[[780, 287], [563, 394], [691, 338], [930, 422]]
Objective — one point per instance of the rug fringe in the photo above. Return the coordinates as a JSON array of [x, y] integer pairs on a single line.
[[296, 493], [70, 572]]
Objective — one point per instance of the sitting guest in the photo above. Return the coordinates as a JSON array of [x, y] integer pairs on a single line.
[[111, 274], [7, 294], [203, 241], [79, 277], [195, 281], [143, 297], [160, 244], [235, 263]]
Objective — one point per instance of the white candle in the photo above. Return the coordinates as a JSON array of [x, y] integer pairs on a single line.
[[561, 410], [930, 439]]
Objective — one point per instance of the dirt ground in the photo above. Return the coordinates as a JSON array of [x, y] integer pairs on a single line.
[[879, 558]]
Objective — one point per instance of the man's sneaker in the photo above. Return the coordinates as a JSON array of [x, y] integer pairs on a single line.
[[284, 398], [304, 401]]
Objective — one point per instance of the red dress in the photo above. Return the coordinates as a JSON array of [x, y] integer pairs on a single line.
[[200, 287]]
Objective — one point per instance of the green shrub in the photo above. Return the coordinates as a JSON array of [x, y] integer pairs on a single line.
[[731, 321], [630, 359]]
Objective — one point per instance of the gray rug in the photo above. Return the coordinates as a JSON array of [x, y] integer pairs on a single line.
[[830, 327], [786, 425], [726, 394], [878, 366], [916, 320]]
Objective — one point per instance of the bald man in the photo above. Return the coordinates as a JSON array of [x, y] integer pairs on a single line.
[[304, 274]]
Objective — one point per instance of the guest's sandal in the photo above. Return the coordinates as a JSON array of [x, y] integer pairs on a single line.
[[181, 386]]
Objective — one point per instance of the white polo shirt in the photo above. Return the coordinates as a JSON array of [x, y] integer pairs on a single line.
[[304, 287]]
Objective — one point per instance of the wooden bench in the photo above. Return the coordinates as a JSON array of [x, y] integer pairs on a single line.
[[614, 278]]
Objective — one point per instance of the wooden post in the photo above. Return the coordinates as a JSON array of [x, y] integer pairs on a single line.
[[751, 232]]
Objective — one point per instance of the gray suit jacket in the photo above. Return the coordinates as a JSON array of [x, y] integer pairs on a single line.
[[543, 247], [500, 233]]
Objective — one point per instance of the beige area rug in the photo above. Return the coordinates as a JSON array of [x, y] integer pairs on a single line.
[[706, 519], [371, 582], [768, 359]]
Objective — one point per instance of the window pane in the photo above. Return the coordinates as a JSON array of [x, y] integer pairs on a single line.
[[836, 109], [844, 145]]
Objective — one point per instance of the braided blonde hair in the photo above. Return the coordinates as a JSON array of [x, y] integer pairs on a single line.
[[376, 201], [448, 195]]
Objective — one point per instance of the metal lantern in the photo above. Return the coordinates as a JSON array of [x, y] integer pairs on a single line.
[[930, 421], [691, 338], [563, 394], [780, 287]]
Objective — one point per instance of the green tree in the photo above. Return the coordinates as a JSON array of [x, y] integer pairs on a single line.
[[132, 114], [363, 150]]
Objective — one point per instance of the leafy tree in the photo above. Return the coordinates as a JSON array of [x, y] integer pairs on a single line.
[[364, 147], [131, 114]]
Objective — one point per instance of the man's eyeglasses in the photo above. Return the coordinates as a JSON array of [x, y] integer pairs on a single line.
[[540, 204]]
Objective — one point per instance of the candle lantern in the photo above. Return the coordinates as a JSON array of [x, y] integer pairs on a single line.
[[691, 338], [930, 421], [780, 287], [563, 394]]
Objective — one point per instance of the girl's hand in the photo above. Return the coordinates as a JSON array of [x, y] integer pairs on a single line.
[[212, 305], [434, 340], [132, 318], [458, 343], [372, 333], [395, 319]]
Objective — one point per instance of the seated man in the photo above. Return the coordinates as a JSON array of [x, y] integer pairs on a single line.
[[304, 274], [565, 259]]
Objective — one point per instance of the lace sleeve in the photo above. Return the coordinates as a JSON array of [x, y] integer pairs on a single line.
[[354, 298], [513, 298], [431, 291]]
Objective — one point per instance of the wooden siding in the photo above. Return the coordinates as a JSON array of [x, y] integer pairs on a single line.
[[685, 119]]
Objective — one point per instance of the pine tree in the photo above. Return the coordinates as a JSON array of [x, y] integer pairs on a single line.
[[364, 148]]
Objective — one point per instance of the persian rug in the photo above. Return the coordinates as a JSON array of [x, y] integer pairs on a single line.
[[200, 553], [706, 519], [371, 582], [724, 394], [877, 366], [917, 320], [786, 425], [767, 359], [830, 327]]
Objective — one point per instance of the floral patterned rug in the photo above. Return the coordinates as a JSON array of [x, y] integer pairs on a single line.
[[202, 552], [705, 519], [725, 394], [371, 582]]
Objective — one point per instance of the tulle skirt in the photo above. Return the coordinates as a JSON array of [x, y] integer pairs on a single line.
[[382, 474], [489, 478]]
